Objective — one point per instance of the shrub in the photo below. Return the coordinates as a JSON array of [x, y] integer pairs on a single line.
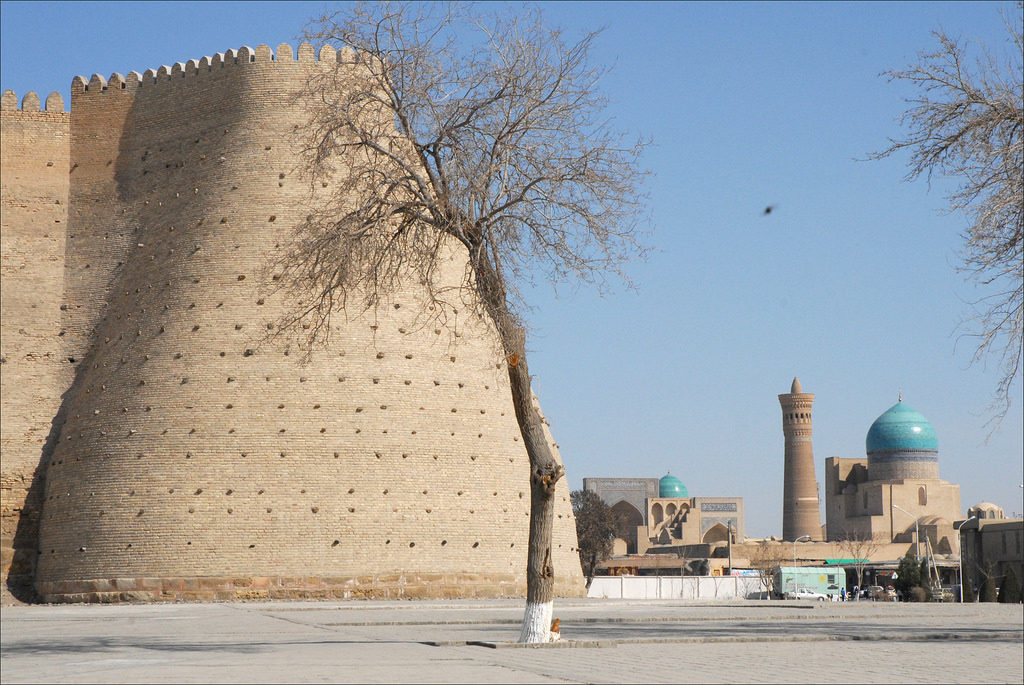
[[1010, 592], [908, 575]]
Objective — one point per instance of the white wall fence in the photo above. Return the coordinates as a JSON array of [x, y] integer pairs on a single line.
[[676, 587]]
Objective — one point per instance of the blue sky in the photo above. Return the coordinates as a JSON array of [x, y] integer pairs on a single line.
[[850, 284]]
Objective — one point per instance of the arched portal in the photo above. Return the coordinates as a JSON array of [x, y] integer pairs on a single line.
[[716, 533], [629, 519]]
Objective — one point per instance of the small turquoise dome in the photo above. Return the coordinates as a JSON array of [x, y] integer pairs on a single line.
[[901, 429], [670, 486]]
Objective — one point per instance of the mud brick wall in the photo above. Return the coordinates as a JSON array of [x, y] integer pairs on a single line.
[[197, 459], [33, 219]]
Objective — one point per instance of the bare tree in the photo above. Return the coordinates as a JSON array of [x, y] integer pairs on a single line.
[[766, 558], [445, 132], [967, 123], [859, 546]]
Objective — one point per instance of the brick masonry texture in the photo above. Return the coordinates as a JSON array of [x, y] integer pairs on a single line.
[[196, 458], [33, 219]]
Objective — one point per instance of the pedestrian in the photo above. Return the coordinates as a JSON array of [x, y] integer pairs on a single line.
[[842, 595]]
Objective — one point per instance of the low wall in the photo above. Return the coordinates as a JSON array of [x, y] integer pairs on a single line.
[[676, 587]]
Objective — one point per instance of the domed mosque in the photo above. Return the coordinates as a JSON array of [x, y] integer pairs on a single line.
[[660, 517], [897, 485]]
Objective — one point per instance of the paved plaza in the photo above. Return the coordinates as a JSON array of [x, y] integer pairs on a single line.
[[604, 641]]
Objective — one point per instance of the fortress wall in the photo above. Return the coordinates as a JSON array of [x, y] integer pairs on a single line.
[[33, 197], [98, 235], [200, 459]]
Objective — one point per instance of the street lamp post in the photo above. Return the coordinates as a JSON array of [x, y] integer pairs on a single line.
[[960, 536], [917, 532], [802, 537], [730, 547]]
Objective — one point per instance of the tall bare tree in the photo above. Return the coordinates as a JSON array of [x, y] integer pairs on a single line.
[[967, 122], [859, 546], [765, 559], [447, 131]]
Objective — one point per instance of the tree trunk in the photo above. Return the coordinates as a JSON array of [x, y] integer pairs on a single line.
[[545, 468], [544, 474]]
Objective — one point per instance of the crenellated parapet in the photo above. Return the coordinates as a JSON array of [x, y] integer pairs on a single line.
[[30, 102], [192, 69], [210, 66]]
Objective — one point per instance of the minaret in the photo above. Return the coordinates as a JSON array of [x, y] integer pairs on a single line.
[[800, 513]]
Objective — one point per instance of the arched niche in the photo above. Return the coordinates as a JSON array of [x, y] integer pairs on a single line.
[[629, 519], [716, 533], [657, 513]]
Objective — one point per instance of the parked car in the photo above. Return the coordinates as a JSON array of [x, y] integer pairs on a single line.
[[804, 593], [881, 594]]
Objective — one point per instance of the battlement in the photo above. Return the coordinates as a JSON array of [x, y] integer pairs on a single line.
[[197, 69], [30, 102]]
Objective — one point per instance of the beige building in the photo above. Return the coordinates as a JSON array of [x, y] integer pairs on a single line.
[[660, 518], [896, 492], [992, 546]]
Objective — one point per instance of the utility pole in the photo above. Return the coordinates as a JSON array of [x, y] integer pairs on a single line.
[[729, 541]]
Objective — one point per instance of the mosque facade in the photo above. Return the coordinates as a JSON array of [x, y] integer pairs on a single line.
[[895, 493], [893, 496], [659, 516]]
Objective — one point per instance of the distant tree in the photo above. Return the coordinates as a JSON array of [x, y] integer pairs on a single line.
[[968, 123], [859, 546], [596, 524], [908, 576], [987, 592], [766, 559], [448, 134], [1010, 590], [923, 591], [966, 589]]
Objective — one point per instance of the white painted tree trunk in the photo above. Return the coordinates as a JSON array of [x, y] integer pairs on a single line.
[[537, 622]]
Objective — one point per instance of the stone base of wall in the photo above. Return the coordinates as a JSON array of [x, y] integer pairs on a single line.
[[254, 588]]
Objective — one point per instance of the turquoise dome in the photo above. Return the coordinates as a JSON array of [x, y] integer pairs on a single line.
[[670, 486], [901, 429]]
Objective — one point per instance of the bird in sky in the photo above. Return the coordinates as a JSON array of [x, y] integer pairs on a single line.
[[768, 210]]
